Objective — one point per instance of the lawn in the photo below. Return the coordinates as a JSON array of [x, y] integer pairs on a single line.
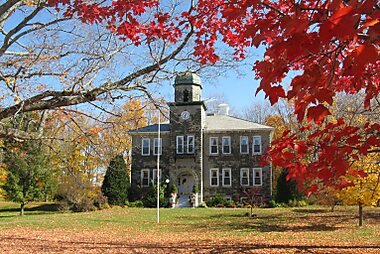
[[134, 230]]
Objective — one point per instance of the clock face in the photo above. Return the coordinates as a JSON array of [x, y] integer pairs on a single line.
[[185, 115]]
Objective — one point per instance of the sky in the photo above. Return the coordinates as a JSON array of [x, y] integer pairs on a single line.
[[239, 92], [237, 89]]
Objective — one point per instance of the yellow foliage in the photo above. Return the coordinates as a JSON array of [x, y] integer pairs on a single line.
[[30, 2], [365, 189]]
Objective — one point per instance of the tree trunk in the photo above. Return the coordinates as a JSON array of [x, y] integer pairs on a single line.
[[22, 208], [360, 215]]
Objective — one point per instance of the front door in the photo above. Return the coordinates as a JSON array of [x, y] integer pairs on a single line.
[[185, 184]]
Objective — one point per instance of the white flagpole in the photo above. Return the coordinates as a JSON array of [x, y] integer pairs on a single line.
[[158, 168]]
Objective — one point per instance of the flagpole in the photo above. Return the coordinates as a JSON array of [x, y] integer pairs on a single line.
[[158, 167]]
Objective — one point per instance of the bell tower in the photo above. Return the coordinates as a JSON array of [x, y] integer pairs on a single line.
[[188, 88], [187, 118]]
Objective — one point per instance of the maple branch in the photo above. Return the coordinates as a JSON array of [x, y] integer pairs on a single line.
[[273, 9]]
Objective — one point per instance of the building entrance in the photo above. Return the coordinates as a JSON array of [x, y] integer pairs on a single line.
[[185, 183]]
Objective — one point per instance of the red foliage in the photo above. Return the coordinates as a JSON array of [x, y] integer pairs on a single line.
[[323, 155], [333, 45]]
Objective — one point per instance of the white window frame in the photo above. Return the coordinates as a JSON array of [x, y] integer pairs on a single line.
[[177, 146], [142, 177], [229, 144], [260, 170], [217, 149], [247, 140], [154, 175], [192, 143], [142, 147], [241, 177], [253, 145], [224, 177], [157, 145], [217, 177]]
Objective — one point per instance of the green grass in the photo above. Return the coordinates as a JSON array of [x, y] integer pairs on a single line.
[[276, 223]]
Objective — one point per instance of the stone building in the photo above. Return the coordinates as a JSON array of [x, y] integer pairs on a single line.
[[218, 153]]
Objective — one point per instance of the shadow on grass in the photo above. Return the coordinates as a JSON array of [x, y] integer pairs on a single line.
[[295, 220], [203, 246], [310, 211], [43, 208]]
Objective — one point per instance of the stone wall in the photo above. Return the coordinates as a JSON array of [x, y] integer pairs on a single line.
[[236, 161]]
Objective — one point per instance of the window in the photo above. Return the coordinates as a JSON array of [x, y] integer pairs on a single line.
[[190, 144], [244, 177], [145, 146], [154, 175], [256, 149], [244, 145], [257, 176], [157, 146], [214, 177], [226, 145], [213, 145], [186, 96], [179, 145], [145, 177], [226, 177]]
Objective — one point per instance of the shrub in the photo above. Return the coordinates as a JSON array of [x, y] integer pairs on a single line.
[[79, 195], [101, 201], [216, 200], [297, 203], [272, 204], [150, 200], [174, 188], [230, 203], [137, 203], [202, 205], [195, 188]]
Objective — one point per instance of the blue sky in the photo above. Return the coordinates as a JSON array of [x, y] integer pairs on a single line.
[[240, 92]]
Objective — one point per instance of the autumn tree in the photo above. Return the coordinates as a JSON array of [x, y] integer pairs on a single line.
[[27, 173], [116, 182], [113, 134], [26, 165], [364, 185], [322, 47], [56, 54]]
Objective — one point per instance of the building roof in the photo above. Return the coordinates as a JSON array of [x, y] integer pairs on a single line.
[[231, 123], [213, 123], [164, 127], [187, 77]]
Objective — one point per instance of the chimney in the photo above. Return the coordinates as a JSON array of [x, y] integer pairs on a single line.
[[223, 109]]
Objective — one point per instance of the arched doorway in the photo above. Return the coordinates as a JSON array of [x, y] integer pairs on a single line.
[[185, 183]]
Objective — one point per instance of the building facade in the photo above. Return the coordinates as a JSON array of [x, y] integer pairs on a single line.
[[218, 153]]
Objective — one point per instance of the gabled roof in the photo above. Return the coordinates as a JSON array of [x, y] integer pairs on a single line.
[[164, 127], [231, 123]]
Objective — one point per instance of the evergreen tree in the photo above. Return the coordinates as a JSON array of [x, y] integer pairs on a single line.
[[116, 182], [286, 190], [27, 172]]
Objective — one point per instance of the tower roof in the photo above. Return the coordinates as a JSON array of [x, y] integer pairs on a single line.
[[187, 77]]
